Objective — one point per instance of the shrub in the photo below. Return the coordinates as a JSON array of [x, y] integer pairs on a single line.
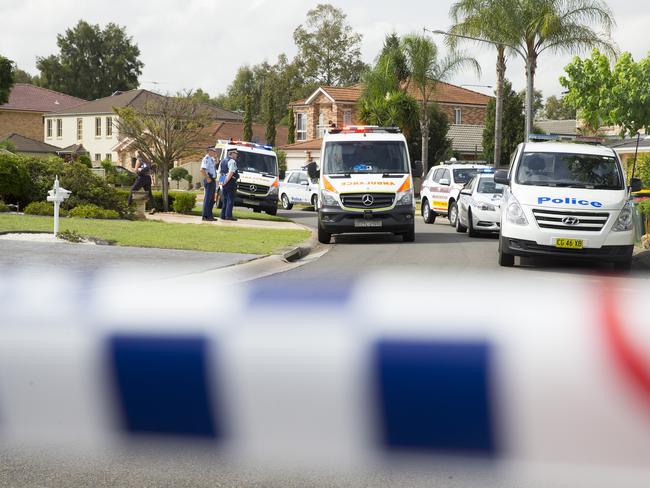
[[158, 201], [85, 160], [43, 208], [14, 180], [644, 207], [70, 236], [91, 211], [184, 202], [3, 207]]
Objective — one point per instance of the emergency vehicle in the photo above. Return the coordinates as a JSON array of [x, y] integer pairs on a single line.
[[479, 205], [366, 183], [298, 187], [566, 200], [441, 187], [258, 183]]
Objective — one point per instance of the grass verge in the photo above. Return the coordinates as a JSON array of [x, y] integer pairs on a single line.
[[194, 237]]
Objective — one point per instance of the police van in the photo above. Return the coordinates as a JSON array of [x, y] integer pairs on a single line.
[[258, 183], [566, 200], [366, 183]]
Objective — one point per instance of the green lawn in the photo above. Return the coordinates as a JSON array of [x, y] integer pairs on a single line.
[[196, 237]]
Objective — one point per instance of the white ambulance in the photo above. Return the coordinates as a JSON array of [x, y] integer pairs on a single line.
[[258, 183], [366, 183], [566, 200]]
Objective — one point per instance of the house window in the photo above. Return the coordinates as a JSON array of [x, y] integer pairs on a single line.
[[49, 128], [301, 127], [109, 126], [59, 128], [98, 126], [80, 129], [98, 157], [347, 117], [321, 125], [109, 157], [458, 116]]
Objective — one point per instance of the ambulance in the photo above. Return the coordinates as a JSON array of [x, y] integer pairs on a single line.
[[566, 200], [366, 183], [258, 183]]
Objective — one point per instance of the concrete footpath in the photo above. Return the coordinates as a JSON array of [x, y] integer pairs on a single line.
[[175, 218]]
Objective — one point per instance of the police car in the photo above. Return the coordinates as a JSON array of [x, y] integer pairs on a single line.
[[258, 183], [441, 187], [479, 205], [298, 187], [566, 200]]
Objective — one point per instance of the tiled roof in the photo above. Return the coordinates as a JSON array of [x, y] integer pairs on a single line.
[[466, 138], [311, 145], [235, 130], [135, 98], [30, 98], [552, 126], [26, 145], [349, 94]]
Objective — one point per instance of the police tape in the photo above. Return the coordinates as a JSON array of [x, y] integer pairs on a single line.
[[385, 367]]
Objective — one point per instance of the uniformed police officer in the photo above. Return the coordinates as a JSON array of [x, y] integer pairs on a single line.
[[143, 180], [209, 173], [229, 173]]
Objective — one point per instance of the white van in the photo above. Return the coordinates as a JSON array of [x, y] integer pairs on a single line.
[[366, 183], [566, 200]]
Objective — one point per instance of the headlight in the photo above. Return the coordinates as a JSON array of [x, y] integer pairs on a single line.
[[274, 190], [404, 198], [625, 219], [486, 206], [328, 199], [515, 214]]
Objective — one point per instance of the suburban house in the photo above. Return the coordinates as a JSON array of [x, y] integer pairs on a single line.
[[26, 146], [465, 109], [626, 148], [23, 113], [93, 125]]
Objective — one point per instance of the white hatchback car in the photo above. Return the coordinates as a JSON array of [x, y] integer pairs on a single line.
[[479, 205], [298, 187]]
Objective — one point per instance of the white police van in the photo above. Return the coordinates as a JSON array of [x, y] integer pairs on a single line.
[[366, 183], [258, 183], [566, 200]]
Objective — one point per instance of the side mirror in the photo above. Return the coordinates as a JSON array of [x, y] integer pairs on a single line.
[[444, 182], [417, 169], [501, 176], [466, 191], [635, 184]]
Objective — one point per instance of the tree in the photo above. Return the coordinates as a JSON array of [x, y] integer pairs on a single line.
[[538, 101], [269, 110], [426, 70], [393, 53], [291, 133], [92, 63], [558, 109], [6, 79], [440, 148], [21, 76], [328, 48], [164, 130], [513, 125], [248, 119]]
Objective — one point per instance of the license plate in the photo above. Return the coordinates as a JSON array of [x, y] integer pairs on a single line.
[[569, 243], [367, 223], [251, 202]]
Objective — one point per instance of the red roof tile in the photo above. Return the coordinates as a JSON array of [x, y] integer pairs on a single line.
[[312, 144], [30, 98], [235, 130]]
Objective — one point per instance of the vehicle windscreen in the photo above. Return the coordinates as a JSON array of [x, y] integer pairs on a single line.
[[257, 163], [463, 175], [359, 157], [487, 185], [570, 170]]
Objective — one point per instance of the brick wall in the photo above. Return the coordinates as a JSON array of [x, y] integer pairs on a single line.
[[469, 115], [28, 124]]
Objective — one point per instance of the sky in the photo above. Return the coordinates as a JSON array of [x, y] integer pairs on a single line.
[[190, 44]]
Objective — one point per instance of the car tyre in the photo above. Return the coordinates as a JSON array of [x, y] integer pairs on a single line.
[[472, 232], [286, 204], [272, 211], [460, 227], [410, 235], [314, 201], [506, 260], [428, 215], [324, 237], [452, 213]]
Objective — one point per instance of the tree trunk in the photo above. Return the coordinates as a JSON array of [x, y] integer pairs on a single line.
[[498, 111], [165, 186], [424, 128], [531, 65]]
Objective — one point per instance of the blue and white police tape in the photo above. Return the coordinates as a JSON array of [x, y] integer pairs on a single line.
[[387, 367]]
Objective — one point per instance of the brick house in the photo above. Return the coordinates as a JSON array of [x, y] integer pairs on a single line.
[[465, 109], [23, 113]]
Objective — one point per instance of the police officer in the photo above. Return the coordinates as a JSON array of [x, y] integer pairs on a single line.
[[229, 173], [143, 180], [209, 173]]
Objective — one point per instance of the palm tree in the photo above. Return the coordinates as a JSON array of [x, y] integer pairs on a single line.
[[426, 70], [482, 20]]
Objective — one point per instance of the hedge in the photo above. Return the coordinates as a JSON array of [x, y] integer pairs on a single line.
[[90, 211], [184, 202], [43, 208]]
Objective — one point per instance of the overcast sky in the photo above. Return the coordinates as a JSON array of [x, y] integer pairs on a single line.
[[189, 44]]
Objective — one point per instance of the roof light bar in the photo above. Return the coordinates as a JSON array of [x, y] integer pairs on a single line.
[[363, 129], [235, 142]]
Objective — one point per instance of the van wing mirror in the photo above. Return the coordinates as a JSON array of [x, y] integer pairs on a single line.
[[501, 176], [635, 184], [416, 169]]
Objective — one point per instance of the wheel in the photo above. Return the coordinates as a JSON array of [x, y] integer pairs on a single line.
[[314, 201], [286, 204], [272, 211], [428, 215], [452, 213], [505, 260], [623, 266], [470, 225], [323, 237], [460, 227], [409, 236]]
